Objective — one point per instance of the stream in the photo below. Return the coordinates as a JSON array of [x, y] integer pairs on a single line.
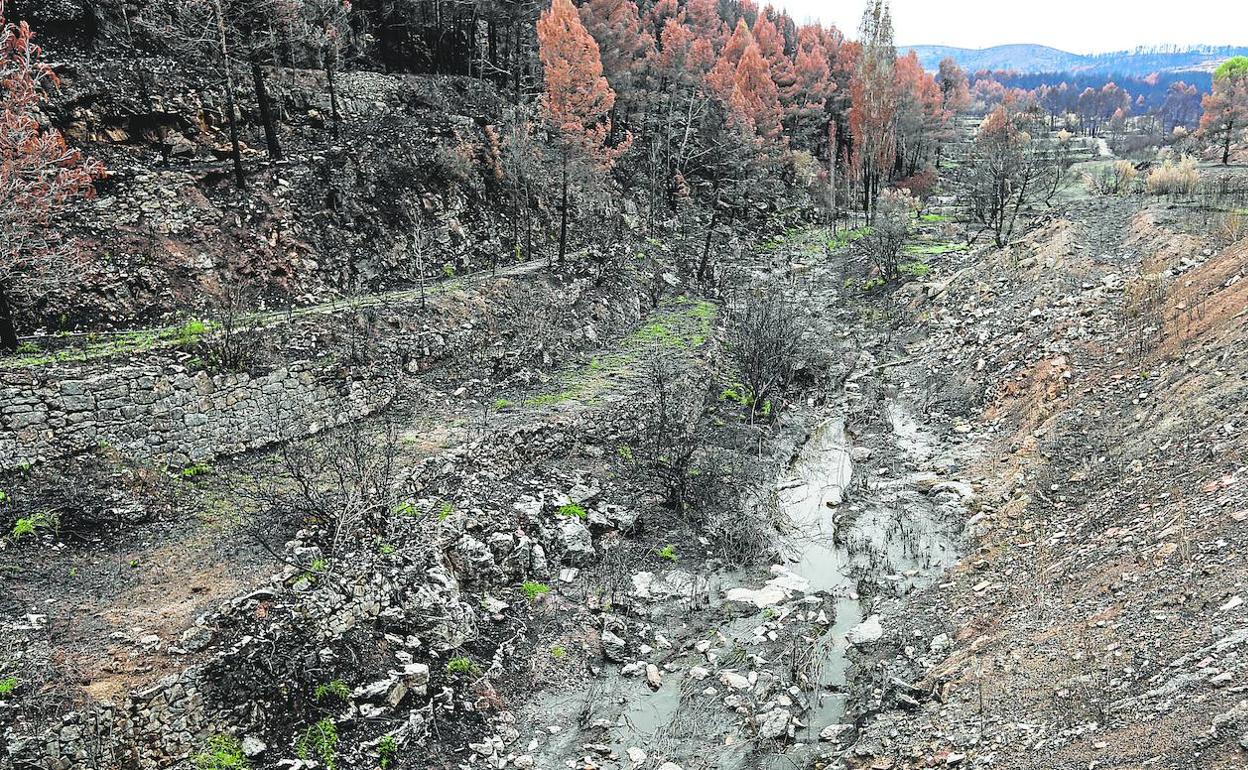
[[783, 637]]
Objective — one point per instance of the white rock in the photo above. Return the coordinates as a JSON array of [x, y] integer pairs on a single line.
[[653, 677], [869, 630], [734, 681], [834, 732], [636, 755]]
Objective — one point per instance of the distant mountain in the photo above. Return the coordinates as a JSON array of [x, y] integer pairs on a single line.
[[1025, 58]]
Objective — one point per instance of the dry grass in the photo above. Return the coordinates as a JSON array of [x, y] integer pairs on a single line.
[[1178, 178]]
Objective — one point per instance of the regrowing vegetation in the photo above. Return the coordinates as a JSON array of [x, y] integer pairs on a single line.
[[623, 384]]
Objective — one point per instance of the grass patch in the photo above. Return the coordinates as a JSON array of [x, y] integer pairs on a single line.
[[915, 269], [933, 218], [532, 590], [550, 399], [222, 752], [195, 471], [336, 689], [932, 249], [320, 741], [29, 526], [846, 237]]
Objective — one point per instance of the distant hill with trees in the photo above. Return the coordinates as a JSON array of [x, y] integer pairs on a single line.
[[1026, 58]]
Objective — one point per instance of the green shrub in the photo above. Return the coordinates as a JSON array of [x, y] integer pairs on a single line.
[[337, 688], [668, 553], [321, 741], [8, 685], [195, 471], [533, 590], [223, 752], [190, 332], [31, 525], [572, 511], [460, 665], [388, 750]]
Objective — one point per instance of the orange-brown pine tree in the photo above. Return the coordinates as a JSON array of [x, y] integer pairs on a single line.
[[39, 173], [577, 100]]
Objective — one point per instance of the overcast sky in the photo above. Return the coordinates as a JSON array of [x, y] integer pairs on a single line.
[[1080, 26]]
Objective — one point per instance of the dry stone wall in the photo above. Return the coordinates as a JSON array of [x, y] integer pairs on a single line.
[[155, 409]]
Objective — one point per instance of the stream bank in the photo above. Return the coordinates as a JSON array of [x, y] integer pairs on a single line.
[[728, 666]]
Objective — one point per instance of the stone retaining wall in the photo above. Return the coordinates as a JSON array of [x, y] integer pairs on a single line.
[[153, 408], [166, 413]]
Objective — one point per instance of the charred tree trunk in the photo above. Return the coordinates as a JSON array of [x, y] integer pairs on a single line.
[[335, 115], [236, 148], [8, 330], [266, 111]]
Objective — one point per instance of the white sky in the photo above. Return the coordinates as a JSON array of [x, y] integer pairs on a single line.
[[1079, 26]]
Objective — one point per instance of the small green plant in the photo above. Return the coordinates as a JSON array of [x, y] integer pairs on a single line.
[[448, 270], [195, 471], [873, 283], [572, 511], [846, 237], [388, 748], [28, 349], [337, 689], [321, 741], [460, 665], [737, 394], [915, 269], [550, 399], [385, 549], [626, 453], [668, 553], [190, 332], [933, 218], [222, 752], [445, 511], [501, 403], [4, 498], [532, 590], [558, 652], [405, 509], [28, 526], [7, 685]]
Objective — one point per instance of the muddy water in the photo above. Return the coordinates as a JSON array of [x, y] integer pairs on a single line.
[[859, 536], [885, 538]]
